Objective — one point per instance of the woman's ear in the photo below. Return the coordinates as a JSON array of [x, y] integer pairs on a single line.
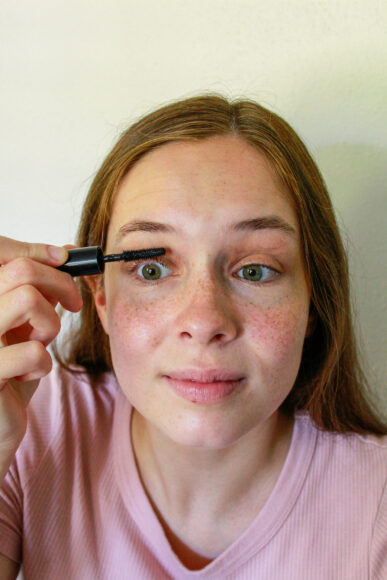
[[97, 288]]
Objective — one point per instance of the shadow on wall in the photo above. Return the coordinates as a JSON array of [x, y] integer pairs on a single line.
[[356, 179]]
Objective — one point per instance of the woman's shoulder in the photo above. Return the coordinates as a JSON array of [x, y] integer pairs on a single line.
[[68, 405], [364, 454], [70, 420], [73, 391]]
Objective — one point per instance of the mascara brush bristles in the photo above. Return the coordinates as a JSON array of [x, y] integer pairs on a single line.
[[134, 255]]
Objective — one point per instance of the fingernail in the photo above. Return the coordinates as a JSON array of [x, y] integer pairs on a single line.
[[57, 253]]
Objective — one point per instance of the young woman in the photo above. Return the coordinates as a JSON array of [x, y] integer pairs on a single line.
[[208, 418]]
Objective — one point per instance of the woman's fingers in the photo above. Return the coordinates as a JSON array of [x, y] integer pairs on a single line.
[[32, 264], [24, 362], [11, 249], [30, 289], [55, 285], [26, 304]]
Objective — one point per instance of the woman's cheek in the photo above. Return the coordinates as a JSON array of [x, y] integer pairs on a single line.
[[278, 334], [129, 326]]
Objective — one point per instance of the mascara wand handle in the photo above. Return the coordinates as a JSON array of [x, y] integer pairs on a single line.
[[84, 261]]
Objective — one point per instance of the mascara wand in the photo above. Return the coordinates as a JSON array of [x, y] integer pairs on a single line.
[[90, 260]]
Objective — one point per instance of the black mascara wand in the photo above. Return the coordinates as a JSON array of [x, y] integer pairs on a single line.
[[90, 260]]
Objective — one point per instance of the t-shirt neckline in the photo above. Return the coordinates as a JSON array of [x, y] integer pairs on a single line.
[[267, 523]]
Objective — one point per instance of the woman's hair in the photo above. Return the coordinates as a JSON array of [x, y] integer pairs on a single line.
[[330, 384]]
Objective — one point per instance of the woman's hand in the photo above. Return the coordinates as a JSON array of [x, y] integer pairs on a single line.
[[30, 289]]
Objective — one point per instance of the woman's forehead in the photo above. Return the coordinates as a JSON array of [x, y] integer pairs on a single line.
[[218, 175], [222, 159]]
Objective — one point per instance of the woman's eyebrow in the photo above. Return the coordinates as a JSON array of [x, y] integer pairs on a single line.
[[249, 225]]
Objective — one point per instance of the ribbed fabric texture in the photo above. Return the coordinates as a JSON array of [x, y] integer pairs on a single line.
[[72, 506]]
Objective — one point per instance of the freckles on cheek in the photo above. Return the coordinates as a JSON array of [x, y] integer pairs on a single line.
[[132, 327], [278, 332], [127, 325], [276, 338]]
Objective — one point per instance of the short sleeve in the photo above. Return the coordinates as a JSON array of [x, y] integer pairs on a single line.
[[378, 561], [11, 518]]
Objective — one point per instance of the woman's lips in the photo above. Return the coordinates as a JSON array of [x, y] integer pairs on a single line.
[[204, 393]]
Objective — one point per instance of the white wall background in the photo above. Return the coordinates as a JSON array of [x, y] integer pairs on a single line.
[[74, 73]]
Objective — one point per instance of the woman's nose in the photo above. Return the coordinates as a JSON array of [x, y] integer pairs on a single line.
[[207, 314]]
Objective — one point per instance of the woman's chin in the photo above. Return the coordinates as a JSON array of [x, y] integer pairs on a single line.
[[202, 435]]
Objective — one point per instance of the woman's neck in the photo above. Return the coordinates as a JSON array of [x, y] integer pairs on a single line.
[[194, 488]]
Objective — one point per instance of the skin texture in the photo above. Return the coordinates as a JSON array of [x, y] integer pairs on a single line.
[[207, 470]]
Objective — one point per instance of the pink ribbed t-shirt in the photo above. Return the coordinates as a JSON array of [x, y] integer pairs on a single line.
[[72, 506]]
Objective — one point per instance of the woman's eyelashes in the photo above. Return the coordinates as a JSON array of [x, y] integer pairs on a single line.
[[148, 271]]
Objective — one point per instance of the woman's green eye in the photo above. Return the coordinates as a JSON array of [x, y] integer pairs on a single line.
[[151, 271], [257, 273]]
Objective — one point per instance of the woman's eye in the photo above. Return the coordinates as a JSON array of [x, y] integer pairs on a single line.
[[150, 271], [257, 273]]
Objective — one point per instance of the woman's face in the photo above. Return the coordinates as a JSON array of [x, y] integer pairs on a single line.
[[221, 297]]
